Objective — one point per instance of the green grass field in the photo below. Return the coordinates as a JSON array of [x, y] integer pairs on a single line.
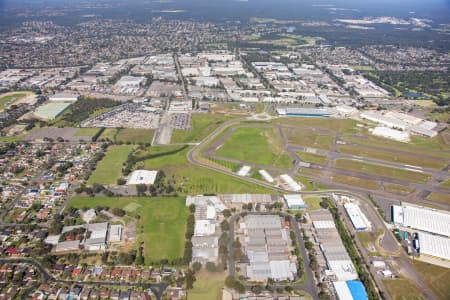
[[161, 226], [257, 145], [360, 182], [207, 286], [110, 167], [109, 134], [202, 125], [313, 202], [135, 136], [312, 158], [435, 277], [308, 138], [403, 289], [192, 179], [393, 157], [128, 135], [5, 101], [373, 169], [87, 132]]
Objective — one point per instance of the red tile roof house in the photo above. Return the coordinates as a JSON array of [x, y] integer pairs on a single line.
[[13, 251], [77, 272]]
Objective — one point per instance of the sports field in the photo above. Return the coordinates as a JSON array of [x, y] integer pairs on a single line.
[[192, 179], [258, 145], [161, 226], [374, 169], [9, 98], [207, 286], [110, 167], [202, 125], [403, 289]]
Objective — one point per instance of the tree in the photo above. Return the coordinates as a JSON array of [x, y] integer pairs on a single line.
[[225, 226], [197, 266], [257, 289], [118, 212], [121, 181], [211, 267], [141, 189], [190, 279], [230, 281], [226, 213], [239, 287]]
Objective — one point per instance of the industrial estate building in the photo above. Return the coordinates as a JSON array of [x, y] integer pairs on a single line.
[[142, 177], [205, 242], [340, 266], [267, 245], [432, 226], [294, 201], [90, 237], [359, 220]]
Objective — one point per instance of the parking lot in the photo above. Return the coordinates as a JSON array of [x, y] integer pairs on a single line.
[[129, 115], [180, 121]]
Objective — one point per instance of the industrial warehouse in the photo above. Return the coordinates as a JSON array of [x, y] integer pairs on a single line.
[[267, 245], [340, 266], [432, 229]]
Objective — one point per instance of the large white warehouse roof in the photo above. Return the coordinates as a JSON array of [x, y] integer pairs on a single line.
[[434, 245], [426, 219], [142, 177]]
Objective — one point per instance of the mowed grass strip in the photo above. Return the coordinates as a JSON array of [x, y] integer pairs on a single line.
[[393, 157], [445, 184], [435, 147], [398, 189], [308, 138], [355, 181], [379, 170], [403, 289], [161, 226], [435, 277], [207, 286], [312, 158], [258, 145], [191, 179], [86, 131], [202, 125], [110, 167], [439, 197]]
